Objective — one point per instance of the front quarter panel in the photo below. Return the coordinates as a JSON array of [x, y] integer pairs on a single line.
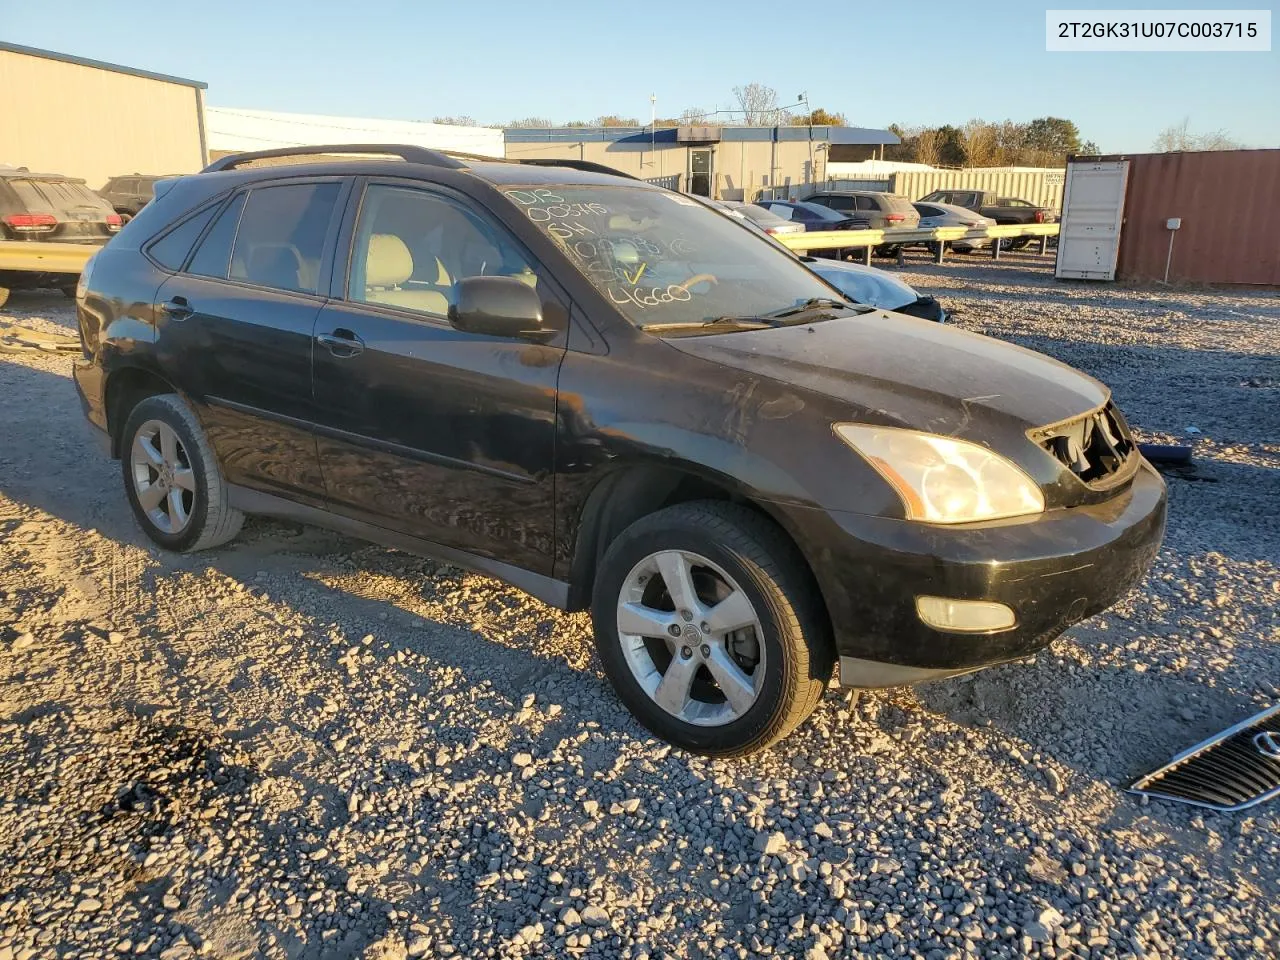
[[645, 403]]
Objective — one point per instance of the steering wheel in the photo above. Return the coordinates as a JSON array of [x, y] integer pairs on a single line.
[[696, 279]]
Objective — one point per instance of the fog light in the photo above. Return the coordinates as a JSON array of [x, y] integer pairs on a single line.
[[964, 616]]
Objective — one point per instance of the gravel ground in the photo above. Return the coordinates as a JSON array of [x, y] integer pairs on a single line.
[[302, 746]]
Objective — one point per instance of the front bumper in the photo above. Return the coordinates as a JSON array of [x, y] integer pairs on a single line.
[[1052, 571], [89, 387]]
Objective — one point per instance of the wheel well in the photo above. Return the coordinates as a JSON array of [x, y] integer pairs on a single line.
[[125, 390], [637, 491]]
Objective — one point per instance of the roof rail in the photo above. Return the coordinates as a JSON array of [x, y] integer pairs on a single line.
[[408, 153], [586, 166]]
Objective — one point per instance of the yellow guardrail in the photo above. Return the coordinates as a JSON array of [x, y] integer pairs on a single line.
[[898, 236], [43, 257]]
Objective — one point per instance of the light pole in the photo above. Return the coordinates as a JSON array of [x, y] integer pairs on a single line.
[[804, 98], [653, 129]]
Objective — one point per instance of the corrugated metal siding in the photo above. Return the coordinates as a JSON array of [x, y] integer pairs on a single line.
[[1227, 201], [84, 121], [1043, 187]]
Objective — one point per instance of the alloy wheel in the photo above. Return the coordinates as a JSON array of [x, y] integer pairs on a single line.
[[691, 638], [163, 480]]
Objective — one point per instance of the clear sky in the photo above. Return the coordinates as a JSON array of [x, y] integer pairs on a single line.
[[916, 62]]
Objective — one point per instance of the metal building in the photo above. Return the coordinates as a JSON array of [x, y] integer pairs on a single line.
[[725, 163], [84, 118]]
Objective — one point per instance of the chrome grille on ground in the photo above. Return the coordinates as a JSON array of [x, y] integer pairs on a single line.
[[1093, 447], [1236, 769]]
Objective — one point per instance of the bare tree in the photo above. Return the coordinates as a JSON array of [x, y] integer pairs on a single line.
[[531, 122], [928, 147], [982, 143], [691, 116], [463, 121], [1180, 137], [759, 105]]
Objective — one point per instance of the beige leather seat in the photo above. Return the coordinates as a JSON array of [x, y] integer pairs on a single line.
[[277, 265], [388, 265]]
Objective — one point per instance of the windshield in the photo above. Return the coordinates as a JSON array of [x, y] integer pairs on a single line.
[[664, 258]]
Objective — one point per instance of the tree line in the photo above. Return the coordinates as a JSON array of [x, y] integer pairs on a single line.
[[1042, 142]]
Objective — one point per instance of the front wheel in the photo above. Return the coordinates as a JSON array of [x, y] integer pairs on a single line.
[[172, 480], [710, 629]]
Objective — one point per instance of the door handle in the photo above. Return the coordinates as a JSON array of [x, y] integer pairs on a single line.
[[342, 342], [177, 308]]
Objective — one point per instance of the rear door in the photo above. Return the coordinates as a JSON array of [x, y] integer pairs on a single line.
[[235, 328], [1092, 215], [424, 428]]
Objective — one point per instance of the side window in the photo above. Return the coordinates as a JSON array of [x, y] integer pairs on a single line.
[[842, 203], [281, 236], [786, 213], [823, 201], [214, 254], [412, 247], [171, 250], [867, 203]]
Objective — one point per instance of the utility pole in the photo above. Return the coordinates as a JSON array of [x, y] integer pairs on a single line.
[[804, 98], [653, 128]]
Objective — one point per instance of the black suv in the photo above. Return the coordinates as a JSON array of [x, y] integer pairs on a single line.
[[44, 207], [612, 397], [128, 195]]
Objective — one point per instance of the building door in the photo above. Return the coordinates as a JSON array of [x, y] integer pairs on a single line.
[[700, 172], [1092, 215]]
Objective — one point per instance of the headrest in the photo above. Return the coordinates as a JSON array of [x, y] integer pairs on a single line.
[[389, 262], [276, 265]]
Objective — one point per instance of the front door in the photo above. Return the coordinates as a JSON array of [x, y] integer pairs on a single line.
[[236, 325], [700, 172], [426, 429]]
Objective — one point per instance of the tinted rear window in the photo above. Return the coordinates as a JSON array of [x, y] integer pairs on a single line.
[[215, 250], [56, 196], [171, 250], [895, 203], [281, 236]]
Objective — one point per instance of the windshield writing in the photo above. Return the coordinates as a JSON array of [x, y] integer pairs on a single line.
[[663, 258]]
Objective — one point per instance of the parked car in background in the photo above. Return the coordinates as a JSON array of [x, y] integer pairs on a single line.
[[127, 195], [949, 215], [766, 220], [881, 211], [998, 208], [48, 206], [813, 217], [858, 282]]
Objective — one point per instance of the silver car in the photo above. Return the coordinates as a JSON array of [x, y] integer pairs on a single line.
[[949, 215], [766, 220]]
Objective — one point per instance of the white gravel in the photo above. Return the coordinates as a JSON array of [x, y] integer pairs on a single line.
[[302, 746]]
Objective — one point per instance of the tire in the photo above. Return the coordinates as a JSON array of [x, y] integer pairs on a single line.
[[178, 463], [727, 548]]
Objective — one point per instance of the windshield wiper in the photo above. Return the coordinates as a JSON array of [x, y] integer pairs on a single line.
[[740, 323], [812, 309]]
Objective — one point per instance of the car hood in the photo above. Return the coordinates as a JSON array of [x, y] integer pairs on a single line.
[[894, 369], [869, 285]]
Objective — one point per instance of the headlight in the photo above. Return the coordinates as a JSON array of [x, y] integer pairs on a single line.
[[941, 480]]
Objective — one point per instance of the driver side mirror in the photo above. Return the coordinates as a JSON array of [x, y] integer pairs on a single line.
[[497, 307]]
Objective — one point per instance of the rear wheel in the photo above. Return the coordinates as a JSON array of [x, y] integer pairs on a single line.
[[709, 629], [172, 479]]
